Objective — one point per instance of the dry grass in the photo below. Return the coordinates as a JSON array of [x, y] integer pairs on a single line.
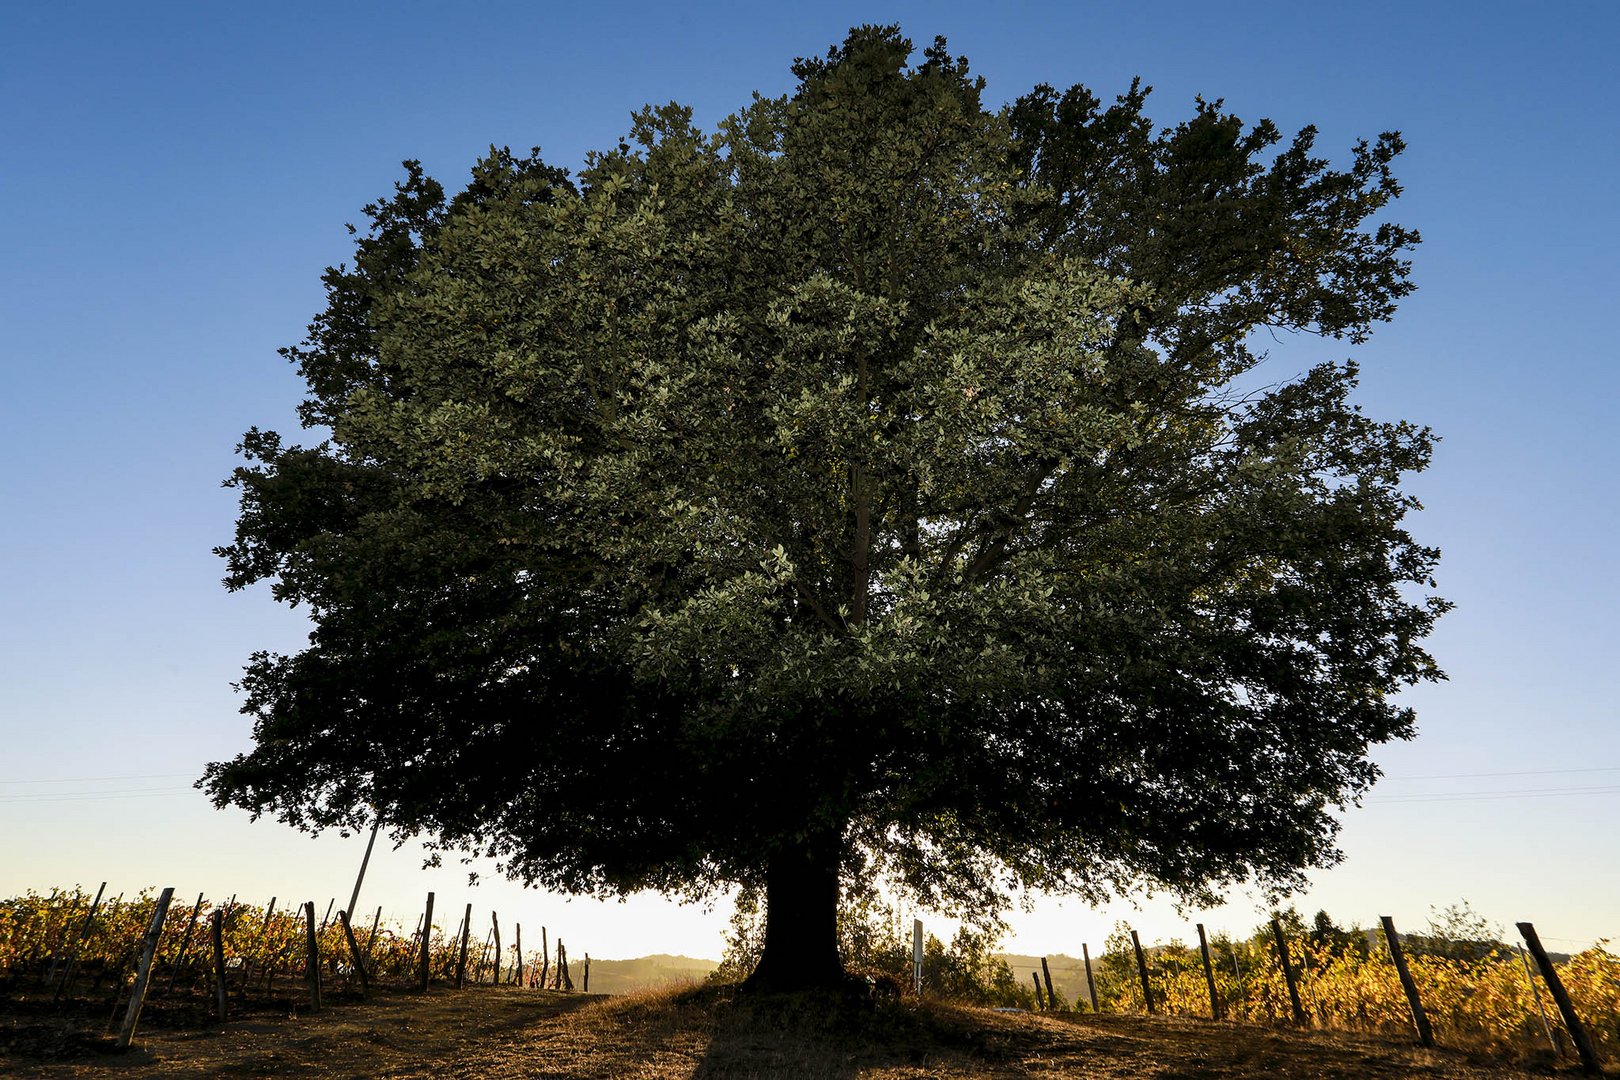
[[715, 1032]]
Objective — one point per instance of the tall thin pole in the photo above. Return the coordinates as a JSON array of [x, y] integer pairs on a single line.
[[1091, 984], [354, 897]]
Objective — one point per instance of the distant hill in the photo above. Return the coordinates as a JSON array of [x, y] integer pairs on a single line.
[[642, 973], [1068, 972]]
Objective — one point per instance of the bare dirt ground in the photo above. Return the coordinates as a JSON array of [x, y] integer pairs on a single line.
[[712, 1033]]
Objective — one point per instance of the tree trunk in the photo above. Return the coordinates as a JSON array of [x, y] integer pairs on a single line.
[[801, 921]]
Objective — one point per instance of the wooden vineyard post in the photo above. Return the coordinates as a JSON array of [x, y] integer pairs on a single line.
[[916, 956], [1091, 984], [84, 935], [495, 928], [1040, 1003], [461, 962], [1141, 968], [1288, 971], [1397, 956], [1209, 974], [423, 974], [1577, 1031], [312, 957], [143, 974], [517, 975], [185, 944], [326, 919], [355, 954], [563, 977], [585, 984], [217, 932], [545, 958], [1046, 973]]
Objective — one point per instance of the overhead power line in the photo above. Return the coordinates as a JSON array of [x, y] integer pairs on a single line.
[[1469, 796], [84, 796], [1516, 772], [96, 779]]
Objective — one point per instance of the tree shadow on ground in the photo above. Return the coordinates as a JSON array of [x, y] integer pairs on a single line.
[[839, 1036], [818, 1038]]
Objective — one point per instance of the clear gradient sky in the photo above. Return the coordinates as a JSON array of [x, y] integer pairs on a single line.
[[173, 177]]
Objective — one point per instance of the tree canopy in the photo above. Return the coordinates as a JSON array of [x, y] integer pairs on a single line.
[[877, 483]]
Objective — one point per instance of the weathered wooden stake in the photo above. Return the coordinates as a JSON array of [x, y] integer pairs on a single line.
[[1035, 977], [562, 967], [185, 944], [1288, 971], [355, 954], [312, 957], [1209, 974], [585, 985], [1577, 1031], [1141, 968], [1091, 984], [143, 973], [424, 975], [1397, 955], [1046, 973], [84, 935], [495, 926], [545, 958], [1541, 1010], [217, 931], [326, 920], [517, 975], [461, 962], [916, 956]]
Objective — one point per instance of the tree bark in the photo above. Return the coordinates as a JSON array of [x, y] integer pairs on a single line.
[[801, 921]]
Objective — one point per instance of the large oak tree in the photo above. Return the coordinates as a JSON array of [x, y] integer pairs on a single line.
[[878, 484]]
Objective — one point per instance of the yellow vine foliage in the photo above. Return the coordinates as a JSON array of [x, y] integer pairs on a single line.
[[40, 933], [1487, 1004]]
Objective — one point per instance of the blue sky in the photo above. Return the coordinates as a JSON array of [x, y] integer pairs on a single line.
[[174, 177]]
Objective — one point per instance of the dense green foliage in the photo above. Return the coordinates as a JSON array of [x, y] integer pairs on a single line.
[[873, 479]]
